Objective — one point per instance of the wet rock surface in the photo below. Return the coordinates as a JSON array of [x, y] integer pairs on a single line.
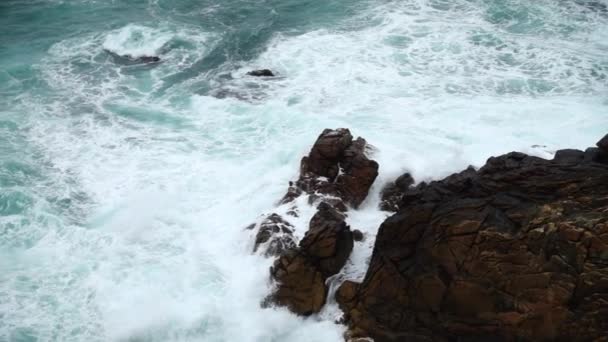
[[301, 272], [337, 167], [390, 197], [336, 174], [516, 251], [274, 235]]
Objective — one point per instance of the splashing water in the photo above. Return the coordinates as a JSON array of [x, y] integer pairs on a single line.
[[125, 188]]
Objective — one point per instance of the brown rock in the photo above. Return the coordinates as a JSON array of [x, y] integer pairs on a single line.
[[301, 273], [300, 285], [515, 251], [328, 241], [336, 167], [337, 173]]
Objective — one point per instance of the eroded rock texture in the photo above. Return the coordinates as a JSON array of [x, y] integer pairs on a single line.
[[390, 197], [336, 172], [516, 251], [275, 235], [336, 167], [301, 272]]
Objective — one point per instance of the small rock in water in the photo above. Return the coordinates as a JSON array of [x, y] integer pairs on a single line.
[[129, 59], [358, 235], [148, 59], [261, 73]]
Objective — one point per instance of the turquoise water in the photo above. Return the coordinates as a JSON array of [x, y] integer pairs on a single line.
[[124, 188]]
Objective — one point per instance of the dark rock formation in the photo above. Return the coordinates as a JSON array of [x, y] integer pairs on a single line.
[[599, 154], [516, 251], [336, 167], [336, 172], [390, 196], [129, 60], [301, 272], [358, 235], [275, 234], [603, 143], [147, 59], [261, 73]]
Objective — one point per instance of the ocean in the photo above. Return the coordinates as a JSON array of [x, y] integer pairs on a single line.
[[126, 187]]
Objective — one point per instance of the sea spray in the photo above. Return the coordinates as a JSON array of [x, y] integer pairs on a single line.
[[130, 186]]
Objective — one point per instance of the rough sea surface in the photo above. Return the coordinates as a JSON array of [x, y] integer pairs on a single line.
[[125, 188]]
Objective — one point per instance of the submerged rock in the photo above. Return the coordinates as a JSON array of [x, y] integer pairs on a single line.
[[261, 73], [147, 59], [517, 250], [275, 235], [129, 60], [390, 197]]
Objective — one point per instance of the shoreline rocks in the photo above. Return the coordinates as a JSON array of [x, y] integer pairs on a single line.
[[301, 272], [129, 60], [275, 234], [336, 174], [336, 167], [516, 251]]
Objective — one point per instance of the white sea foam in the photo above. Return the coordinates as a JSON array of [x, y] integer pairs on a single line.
[[137, 41], [163, 254]]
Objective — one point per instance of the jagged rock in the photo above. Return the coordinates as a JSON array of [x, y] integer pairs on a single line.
[[390, 197], [275, 234], [300, 285], [335, 173], [516, 251], [301, 272], [336, 167], [261, 73], [328, 240]]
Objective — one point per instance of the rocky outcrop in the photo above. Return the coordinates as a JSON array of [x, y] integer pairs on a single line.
[[336, 167], [274, 235], [390, 197], [516, 251], [301, 272], [336, 172]]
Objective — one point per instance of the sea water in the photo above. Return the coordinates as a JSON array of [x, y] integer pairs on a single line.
[[125, 187]]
